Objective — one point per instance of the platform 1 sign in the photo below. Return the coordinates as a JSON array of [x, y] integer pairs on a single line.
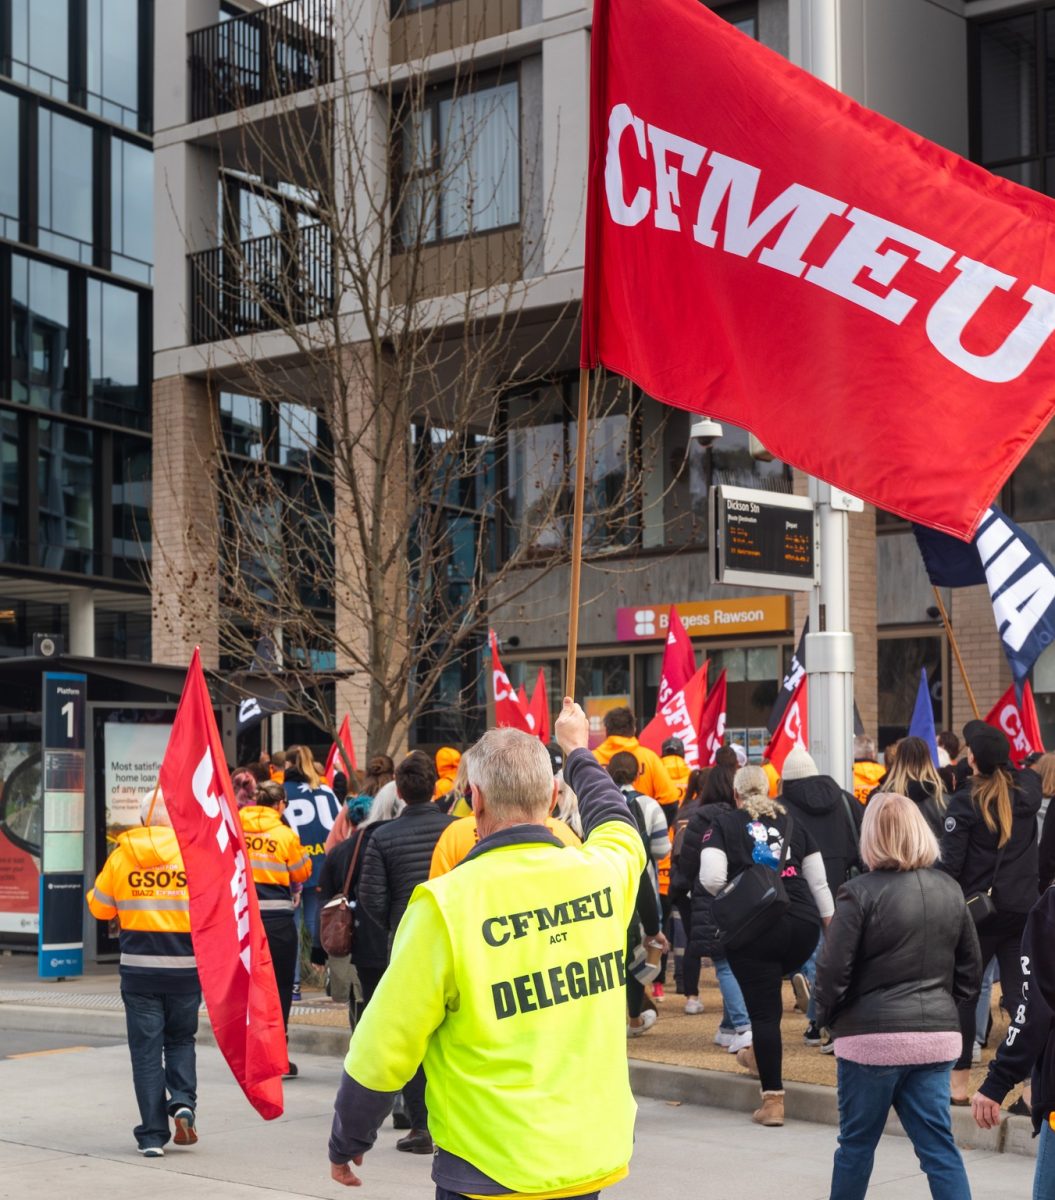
[[763, 539]]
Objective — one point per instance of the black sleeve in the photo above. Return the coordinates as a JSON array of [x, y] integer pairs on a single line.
[[835, 966], [967, 976], [372, 893], [647, 908], [691, 844], [1046, 850], [358, 1114], [957, 834], [331, 879], [600, 800]]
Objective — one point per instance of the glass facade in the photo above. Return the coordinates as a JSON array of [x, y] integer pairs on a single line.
[[76, 229]]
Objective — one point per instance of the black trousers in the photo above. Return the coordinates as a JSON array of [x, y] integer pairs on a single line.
[[1001, 935], [414, 1089], [689, 984], [369, 978], [284, 945], [760, 968]]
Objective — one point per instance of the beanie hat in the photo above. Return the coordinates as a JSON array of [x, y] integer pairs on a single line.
[[740, 752], [989, 745], [674, 746], [799, 764]]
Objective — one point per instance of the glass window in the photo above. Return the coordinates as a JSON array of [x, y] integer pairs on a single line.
[[731, 462], [1044, 694], [259, 215], [741, 15], [130, 493], [900, 661], [1031, 482], [64, 175], [65, 492], [298, 435], [116, 390], [113, 60], [123, 635], [603, 682], [40, 334], [242, 424], [537, 492], [131, 209], [10, 137], [1008, 81], [11, 549], [40, 45]]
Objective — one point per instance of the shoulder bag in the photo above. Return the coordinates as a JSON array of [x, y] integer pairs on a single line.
[[981, 905], [337, 918], [751, 901]]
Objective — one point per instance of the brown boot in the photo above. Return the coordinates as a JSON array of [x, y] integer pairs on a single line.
[[772, 1111], [746, 1059]]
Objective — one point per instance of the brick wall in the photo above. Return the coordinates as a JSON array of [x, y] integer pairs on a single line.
[[971, 614]]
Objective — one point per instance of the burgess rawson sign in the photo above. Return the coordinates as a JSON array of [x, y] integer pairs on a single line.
[[705, 618]]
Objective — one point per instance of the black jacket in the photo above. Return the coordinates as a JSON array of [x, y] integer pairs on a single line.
[[816, 803], [1046, 850], [702, 934], [370, 943], [923, 795], [969, 849], [397, 859], [900, 954], [1030, 1042]]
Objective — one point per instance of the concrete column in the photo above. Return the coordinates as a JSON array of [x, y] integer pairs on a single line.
[[565, 136], [173, 20], [82, 622], [185, 524]]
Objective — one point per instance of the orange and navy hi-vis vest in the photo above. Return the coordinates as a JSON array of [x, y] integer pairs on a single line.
[[276, 858], [144, 885]]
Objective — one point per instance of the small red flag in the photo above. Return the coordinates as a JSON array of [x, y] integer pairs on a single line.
[[335, 760], [538, 709], [1023, 732], [508, 710], [682, 717], [712, 723], [793, 729], [679, 662], [1030, 720], [234, 962]]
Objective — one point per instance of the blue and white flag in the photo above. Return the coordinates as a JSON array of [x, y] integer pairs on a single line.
[[922, 723], [1020, 578]]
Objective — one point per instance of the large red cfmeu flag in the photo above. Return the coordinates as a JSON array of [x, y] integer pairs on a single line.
[[793, 729], [681, 717], [1019, 722], [762, 249], [712, 723], [679, 662], [342, 752], [234, 963], [509, 711]]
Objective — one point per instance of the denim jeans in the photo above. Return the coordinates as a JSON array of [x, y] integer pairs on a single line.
[[161, 1029], [920, 1097], [306, 910], [809, 969], [1044, 1175], [985, 1000], [734, 1010]]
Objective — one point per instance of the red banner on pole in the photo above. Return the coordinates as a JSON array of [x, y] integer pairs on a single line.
[[538, 709], [793, 729], [762, 249], [234, 962], [508, 710], [712, 723], [335, 761], [1019, 723], [679, 662], [682, 717]]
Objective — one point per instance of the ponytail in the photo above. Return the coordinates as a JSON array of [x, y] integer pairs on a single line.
[[994, 791]]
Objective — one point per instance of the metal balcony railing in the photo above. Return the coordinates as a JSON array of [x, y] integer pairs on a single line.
[[264, 283], [261, 55]]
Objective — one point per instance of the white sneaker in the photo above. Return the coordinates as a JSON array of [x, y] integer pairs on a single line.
[[648, 1019], [693, 1007], [724, 1038], [976, 1053], [741, 1041], [152, 1151]]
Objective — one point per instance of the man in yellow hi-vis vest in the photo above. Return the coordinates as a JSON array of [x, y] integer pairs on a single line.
[[507, 980]]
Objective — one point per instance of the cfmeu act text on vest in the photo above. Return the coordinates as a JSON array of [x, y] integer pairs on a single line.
[[536, 990]]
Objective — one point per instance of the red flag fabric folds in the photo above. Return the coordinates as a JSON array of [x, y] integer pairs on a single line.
[[712, 723], [335, 761], [538, 708], [508, 709], [762, 249], [793, 729], [679, 662], [681, 717], [1020, 723], [234, 962]]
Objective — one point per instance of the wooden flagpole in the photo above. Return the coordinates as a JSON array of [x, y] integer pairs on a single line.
[[956, 651], [576, 531], [153, 801]]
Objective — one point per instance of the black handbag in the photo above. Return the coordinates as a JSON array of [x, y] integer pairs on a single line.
[[981, 905], [751, 901]]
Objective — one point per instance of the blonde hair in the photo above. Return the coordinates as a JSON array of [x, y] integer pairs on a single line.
[[994, 791], [751, 787], [1045, 768], [912, 762], [895, 835], [301, 759], [514, 772]]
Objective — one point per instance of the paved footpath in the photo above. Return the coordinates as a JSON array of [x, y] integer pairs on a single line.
[[69, 1110]]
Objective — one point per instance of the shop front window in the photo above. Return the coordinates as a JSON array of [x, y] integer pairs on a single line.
[[65, 469], [753, 678], [603, 683], [900, 662]]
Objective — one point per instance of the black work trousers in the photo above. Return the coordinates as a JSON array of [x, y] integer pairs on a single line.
[[760, 967], [284, 944], [1000, 934]]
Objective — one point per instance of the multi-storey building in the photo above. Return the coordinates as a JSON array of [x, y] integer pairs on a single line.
[[969, 74]]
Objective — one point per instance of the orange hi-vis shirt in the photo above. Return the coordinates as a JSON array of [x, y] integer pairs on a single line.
[[652, 778], [460, 837], [679, 771], [276, 858]]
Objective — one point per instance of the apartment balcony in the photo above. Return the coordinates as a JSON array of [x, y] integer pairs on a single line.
[[265, 283], [263, 55]]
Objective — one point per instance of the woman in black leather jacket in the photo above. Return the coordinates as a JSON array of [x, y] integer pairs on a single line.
[[900, 956], [990, 848]]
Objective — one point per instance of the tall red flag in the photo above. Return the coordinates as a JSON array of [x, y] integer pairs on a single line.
[[682, 717], [679, 662], [793, 729], [335, 760], [508, 709], [234, 962], [712, 723], [1023, 732], [763, 249], [538, 709]]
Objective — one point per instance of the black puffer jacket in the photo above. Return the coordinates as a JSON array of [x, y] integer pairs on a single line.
[[969, 849], [900, 954], [702, 933], [397, 859], [816, 803]]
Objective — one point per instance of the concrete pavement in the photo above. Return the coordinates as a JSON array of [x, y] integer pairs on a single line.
[[68, 1119]]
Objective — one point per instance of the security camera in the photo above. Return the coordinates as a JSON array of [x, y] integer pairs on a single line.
[[706, 430]]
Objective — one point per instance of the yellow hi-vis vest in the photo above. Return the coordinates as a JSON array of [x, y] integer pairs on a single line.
[[507, 980]]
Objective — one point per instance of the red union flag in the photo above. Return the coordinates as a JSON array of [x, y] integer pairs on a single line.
[[509, 711], [793, 729], [681, 717], [679, 663], [762, 249], [712, 722], [1018, 722], [342, 752], [234, 963], [538, 709]]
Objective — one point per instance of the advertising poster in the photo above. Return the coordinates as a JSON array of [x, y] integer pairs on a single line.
[[20, 837], [595, 707], [133, 760]]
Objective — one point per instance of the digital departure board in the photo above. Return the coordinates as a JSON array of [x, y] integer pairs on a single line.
[[763, 539]]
